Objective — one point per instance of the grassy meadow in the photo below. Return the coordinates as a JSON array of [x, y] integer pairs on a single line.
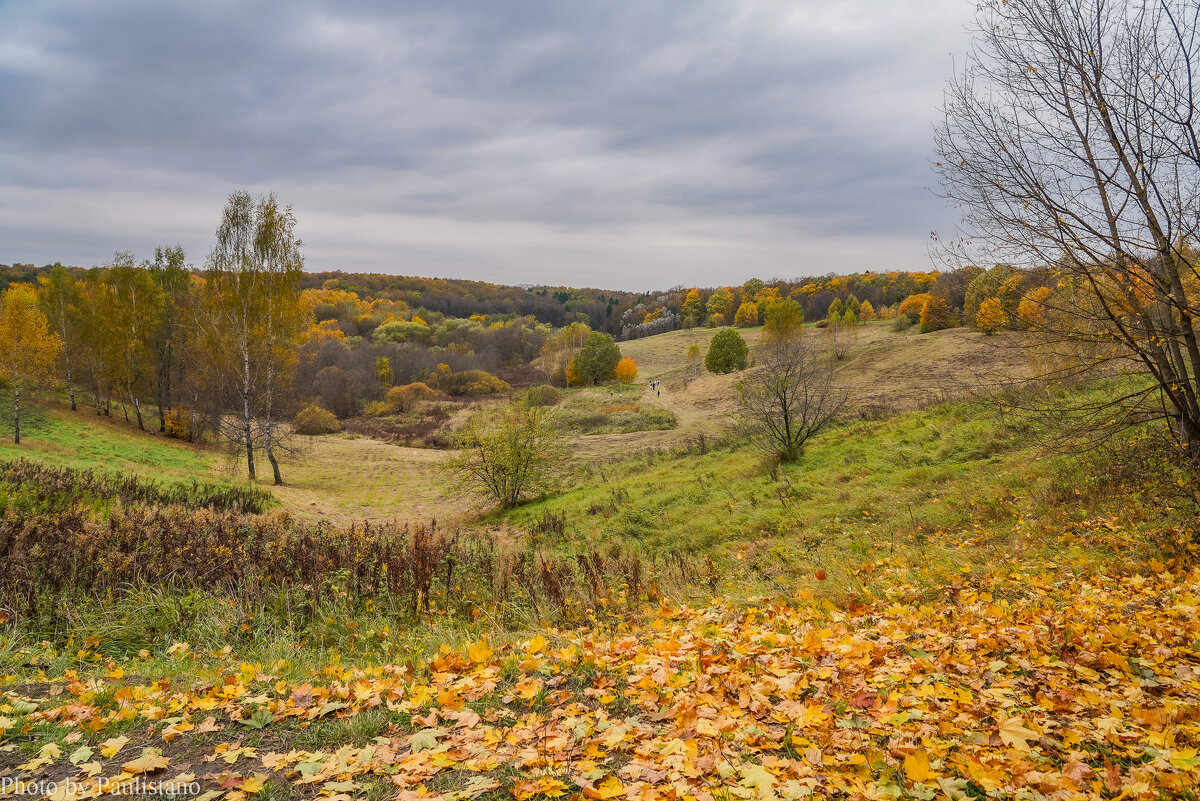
[[934, 602], [87, 441]]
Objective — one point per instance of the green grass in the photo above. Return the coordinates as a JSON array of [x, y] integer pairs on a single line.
[[926, 466], [82, 440], [612, 409], [949, 487]]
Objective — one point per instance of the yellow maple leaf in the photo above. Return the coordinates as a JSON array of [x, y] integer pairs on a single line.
[[1014, 734], [150, 761], [536, 644], [209, 725], [173, 731], [253, 784], [110, 747], [758, 778], [916, 767], [608, 789], [479, 651], [527, 688]]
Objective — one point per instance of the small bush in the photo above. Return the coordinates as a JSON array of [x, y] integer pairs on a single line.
[[626, 370], [544, 395], [378, 409], [472, 383], [403, 398], [314, 420], [181, 422]]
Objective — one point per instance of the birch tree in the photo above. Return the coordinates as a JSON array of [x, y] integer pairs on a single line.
[[133, 305], [60, 297], [252, 319], [173, 281]]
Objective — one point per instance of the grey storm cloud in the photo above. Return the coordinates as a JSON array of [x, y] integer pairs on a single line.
[[627, 144]]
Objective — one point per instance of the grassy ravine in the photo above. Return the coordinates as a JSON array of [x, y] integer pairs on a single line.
[[865, 490], [927, 606], [86, 441]]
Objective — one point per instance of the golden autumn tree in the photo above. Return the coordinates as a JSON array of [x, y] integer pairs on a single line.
[[1031, 312], [935, 314], [692, 310], [991, 316], [573, 377], [746, 316], [28, 350], [626, 370], [867, 313]]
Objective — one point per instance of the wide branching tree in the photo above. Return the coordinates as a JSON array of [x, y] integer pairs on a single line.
[[1070, 138], [790, 397], [510, 455]]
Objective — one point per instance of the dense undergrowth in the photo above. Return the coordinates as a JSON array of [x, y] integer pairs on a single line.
[[82, 552], [33, 487]]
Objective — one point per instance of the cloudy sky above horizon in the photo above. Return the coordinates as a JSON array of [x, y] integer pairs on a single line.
[[613, 143]]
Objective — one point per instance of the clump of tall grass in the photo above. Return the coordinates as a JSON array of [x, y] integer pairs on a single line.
[[60, 567]]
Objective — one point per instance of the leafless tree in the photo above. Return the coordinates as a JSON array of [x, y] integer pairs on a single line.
[[790, 397], [1069, 139]]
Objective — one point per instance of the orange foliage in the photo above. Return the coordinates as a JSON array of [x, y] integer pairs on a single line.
[[573, 376], [626, 370]]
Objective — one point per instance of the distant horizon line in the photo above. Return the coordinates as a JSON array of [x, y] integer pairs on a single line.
[[530, 285]]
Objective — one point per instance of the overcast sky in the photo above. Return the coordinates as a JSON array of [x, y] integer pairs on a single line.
[[630, 144]]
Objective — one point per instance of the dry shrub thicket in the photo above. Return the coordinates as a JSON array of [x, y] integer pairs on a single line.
[[61, 556]]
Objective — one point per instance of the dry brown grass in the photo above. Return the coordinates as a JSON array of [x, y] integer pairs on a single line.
[[347, 480], [884, 371]]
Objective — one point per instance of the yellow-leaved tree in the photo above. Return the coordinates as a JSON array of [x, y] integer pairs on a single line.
[[991, 316], [746, 316], [626, 370], [28, 350]]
